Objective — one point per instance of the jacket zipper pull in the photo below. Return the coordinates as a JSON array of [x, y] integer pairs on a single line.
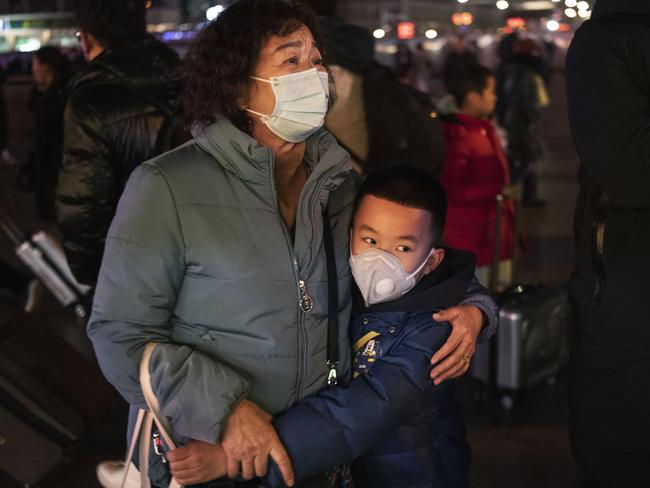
[[306, 303]]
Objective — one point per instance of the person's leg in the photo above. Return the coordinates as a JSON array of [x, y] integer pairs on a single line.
[[609, 426], [13, 280]]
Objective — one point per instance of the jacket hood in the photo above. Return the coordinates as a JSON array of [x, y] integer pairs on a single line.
[[608, 8], [444, 287], [146, 64]]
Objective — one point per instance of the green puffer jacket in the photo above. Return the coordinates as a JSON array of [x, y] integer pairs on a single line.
[[198, 258]]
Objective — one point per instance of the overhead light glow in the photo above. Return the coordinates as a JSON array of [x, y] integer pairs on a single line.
[[29, 45], [379, 33], [431, 34], [463, 1], [405, 30], [584, 14], [502, 4], [462, 18], [553, 25], [582, 5], [571, 13], [570, 3], [213, 12]]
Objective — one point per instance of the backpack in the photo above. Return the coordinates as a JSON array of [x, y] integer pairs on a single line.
[[403, 125]]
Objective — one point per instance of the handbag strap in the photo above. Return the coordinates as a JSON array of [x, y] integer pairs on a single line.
[[144, 424], [332, 302]]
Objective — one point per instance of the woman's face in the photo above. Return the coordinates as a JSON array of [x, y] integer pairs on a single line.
[[281, 56]]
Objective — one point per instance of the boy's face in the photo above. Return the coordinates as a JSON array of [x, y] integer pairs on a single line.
[[405, 232], [482, 104]]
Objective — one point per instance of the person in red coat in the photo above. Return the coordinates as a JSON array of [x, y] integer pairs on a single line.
[[475, 172]]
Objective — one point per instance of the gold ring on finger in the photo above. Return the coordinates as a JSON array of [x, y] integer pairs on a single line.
[[465, 360]]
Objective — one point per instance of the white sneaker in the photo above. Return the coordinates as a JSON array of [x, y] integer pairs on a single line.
[[111, 473]]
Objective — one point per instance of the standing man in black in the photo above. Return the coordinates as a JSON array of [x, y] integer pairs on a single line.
[[608, 82], [120, 108]]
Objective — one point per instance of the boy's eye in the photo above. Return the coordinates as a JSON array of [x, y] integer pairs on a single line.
[[292, 60], [317, 62], [369, 240], [403, 248]]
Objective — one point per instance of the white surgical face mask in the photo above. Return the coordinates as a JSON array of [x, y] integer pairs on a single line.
[[300, 104], [380, 276]]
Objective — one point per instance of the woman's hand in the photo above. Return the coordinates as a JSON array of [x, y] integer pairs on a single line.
[[249, 439], [453, 358], [197, 462]]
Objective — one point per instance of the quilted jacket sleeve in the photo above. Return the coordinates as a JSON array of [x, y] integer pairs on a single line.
[[140, 278], [478, 296], [338, 425]]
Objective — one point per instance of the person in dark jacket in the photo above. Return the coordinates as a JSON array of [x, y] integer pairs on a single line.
[[51, 72], [116, 110], [399, 429], [608, 87], [377, 119], [522, 96]]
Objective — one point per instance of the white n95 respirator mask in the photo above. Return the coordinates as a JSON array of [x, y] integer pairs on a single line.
[[300, 104], [380, 276]]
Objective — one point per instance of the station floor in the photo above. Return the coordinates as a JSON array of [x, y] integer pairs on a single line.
[[524, 447]]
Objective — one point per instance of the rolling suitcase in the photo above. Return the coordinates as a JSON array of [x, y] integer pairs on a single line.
[[48, 263], [530, 345], [36, 423]]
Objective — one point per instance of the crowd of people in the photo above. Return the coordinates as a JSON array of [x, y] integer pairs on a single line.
[[307, 237]]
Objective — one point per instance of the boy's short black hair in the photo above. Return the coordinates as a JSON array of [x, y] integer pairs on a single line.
[[466, 79], [410, 187], [111, 21]]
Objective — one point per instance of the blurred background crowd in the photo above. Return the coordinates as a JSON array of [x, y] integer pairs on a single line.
[[437, 83]]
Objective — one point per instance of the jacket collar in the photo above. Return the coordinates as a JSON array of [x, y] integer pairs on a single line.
[[470, 121], [243, 156]]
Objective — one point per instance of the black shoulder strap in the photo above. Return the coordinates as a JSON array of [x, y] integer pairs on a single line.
[[332, 302]]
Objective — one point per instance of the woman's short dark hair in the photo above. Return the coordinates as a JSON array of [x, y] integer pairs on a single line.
[[111, 21], [226, 52], [410, 187]]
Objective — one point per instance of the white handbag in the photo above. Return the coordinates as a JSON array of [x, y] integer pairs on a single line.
[[143, 428]]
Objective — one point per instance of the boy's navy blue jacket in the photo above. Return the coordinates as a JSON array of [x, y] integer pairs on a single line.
[[401, 430]]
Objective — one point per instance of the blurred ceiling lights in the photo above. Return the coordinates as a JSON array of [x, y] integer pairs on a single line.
[[553, 25], [431, 34]]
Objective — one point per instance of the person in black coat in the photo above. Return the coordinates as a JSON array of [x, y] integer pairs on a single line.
[[608, 83], [119, 112], [377, 119], [51, 72]]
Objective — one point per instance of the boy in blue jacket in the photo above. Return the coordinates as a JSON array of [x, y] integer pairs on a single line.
[[400, 429], [396, 426]]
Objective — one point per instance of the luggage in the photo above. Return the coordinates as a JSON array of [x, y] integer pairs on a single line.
[[48, 394], [48, 263], [530, 345], [35, 423]]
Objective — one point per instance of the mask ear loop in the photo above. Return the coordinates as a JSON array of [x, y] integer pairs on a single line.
[[256, 113], [423, 263], [264, 81], [261, 79]]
